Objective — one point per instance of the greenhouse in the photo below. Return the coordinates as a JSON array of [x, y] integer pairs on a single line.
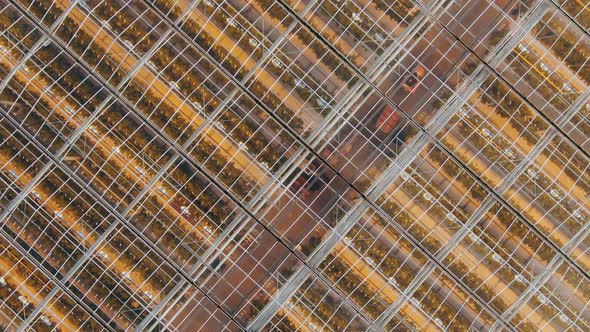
[[294, 165]]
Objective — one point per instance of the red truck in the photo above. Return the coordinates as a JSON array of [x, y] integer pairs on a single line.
[[307, 182], [388, 119]]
